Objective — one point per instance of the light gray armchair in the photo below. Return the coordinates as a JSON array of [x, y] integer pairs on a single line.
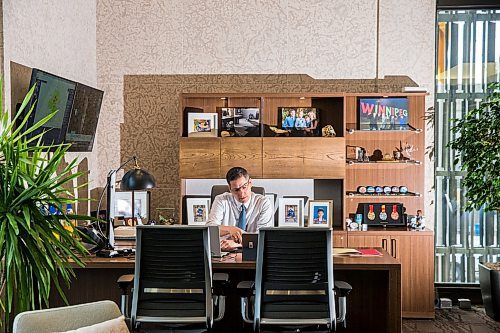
[[69, 318]]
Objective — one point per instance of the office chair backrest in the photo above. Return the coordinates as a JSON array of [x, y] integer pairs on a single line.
[[219, 189], [173, 273], [294, 277]]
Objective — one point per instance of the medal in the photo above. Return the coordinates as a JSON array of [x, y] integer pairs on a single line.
[[371, 214], [394, 214], [383, 214]]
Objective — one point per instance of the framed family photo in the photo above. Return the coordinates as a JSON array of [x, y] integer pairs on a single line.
[[197, 210], [291, 212], [320, 213]]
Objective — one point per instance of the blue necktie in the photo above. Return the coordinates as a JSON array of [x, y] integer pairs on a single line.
[[242, 221]]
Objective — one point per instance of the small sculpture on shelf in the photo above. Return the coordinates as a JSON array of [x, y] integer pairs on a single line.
[[417, 222], [328, 131]]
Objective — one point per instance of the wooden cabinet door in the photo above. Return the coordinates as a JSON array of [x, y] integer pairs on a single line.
[[242, 152], [282, 158], [339, 238], [199, 158], [421, 278], [369, 240], [324, 158]]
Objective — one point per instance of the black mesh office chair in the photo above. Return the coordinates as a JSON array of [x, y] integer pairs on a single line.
[[219, 189], [294, 284], [173, 283]]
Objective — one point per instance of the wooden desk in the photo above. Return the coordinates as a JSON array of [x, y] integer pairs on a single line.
[[374, 304]]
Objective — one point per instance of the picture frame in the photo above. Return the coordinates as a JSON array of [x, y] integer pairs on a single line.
[[320, 214], [383, 113], [240, 121], [202, 124], [123, 205], [291, 212], [354, 153], [197, 210], [299, 121]]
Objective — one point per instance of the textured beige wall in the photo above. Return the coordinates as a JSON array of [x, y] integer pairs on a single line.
[[320, 38]]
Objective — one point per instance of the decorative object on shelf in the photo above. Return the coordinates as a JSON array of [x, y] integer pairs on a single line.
[[242, 121], [225, 134], [359, 218], [403, 189], [164, 216], [197, 210], [387, 190], [377, 155], [395, 189], [387, 157], [352, 225], [370, 189], [377, 213], [291, 212], [417, 222], [279, 132], [354, 153], [409, 149], [202, 124], [379, 190], [384, 113], [320, 213], [328, 131], [361, 189]]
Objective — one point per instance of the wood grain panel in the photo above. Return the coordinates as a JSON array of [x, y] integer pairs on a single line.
[[324, 158], [350, 110], [199, 158], [421, 278], [244, 152], [253, 102], [282, 158], [339, 238], [271, 105]]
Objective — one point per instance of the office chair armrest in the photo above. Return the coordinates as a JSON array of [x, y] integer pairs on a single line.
[[221, 283], [124, 282], [246, 288], [343, 288]]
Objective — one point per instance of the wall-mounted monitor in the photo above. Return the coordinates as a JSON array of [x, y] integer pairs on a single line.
[[78, 109], [384, 113]]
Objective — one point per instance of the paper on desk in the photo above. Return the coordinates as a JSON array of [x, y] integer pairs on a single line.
[[340, 251]]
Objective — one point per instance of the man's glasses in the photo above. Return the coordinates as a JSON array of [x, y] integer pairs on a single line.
[[242, 187]]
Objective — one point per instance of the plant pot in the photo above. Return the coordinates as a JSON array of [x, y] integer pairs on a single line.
[[489, 280]]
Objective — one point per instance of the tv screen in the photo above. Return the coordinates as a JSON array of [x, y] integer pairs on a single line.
[[297, 118], [78, 109], [387, 113]]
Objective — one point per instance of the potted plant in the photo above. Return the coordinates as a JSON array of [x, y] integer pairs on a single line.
[[35, 246], [478, 147]]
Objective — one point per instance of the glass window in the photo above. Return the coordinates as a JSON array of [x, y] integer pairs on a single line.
[[467, 60]]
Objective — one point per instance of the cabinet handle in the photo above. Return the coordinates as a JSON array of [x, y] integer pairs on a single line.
[[393, 248], [384, 244]]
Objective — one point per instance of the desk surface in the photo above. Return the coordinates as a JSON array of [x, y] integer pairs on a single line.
[[234, 261]]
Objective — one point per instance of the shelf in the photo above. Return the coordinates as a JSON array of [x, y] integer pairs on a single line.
[[405, 162], [352, 194], [352, 128]]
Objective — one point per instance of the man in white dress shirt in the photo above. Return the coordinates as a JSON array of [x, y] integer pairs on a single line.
[[240, 209]]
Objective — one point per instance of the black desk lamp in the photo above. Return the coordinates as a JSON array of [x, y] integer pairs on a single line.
[[133, 180]]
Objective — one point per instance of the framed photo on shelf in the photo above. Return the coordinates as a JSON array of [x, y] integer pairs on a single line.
[[123, 205], [241, 121], [291, 212], [320, 213], [202, 124], [384, 113], [354, 153], [197, 210], [299, 121]]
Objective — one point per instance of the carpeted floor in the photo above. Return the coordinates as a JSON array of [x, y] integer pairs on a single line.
[[454, 320]]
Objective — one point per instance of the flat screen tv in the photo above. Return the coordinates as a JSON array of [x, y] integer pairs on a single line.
[[384, 113], [78, 109]]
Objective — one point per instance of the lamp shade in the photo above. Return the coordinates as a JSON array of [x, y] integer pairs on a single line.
[[137, 179]]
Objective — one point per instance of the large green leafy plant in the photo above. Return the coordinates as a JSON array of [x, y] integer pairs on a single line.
[[35, 246], [478, 146]]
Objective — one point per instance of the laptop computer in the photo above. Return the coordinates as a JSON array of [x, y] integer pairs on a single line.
[[250, 242], [215, 250]]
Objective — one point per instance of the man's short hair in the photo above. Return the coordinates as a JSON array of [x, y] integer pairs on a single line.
[[235, 173], [321, 210]]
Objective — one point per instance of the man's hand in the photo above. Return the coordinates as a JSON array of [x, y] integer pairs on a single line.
[[228, 245], [232, 231]]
